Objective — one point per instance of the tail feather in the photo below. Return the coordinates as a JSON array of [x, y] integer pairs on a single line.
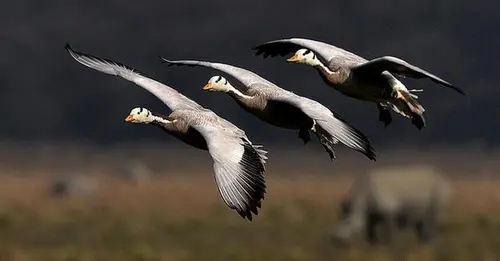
[[412, 102], [261, 152], [406, 104], [413, 91]]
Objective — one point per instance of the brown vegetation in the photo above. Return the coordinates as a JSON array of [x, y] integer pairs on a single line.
[[177, 214], [184, 219]]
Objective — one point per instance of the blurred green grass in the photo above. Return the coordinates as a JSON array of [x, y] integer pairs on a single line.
[[184, 219]]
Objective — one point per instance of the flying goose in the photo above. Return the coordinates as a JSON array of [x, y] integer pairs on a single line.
[[239, 165], [284, 109], [357, 77]]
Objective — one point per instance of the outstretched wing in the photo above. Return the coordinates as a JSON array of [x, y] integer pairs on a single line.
[[325, 52], [400, 67], [239, 169], [246, 77], [172, 98], [337, 127]]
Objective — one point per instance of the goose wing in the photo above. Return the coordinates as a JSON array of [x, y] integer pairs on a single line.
[[283, 47], [245, 77], [238, 166], [336, 126], [172, 98], [399, 67]]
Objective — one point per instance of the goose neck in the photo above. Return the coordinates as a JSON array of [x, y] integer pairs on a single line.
[[237, 94]]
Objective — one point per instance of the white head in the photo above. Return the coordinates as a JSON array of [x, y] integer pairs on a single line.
[[218, 83], [139, 115], [304, 56]]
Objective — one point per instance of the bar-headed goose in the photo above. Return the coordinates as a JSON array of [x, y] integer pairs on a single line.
[[357, 77], [239, 165], [285, 109]]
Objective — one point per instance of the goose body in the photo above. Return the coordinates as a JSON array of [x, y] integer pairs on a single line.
[[239, 165], [181, 128], [284, 109], [357, 77]]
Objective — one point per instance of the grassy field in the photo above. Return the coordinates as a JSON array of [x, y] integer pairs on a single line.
[[183, 218]]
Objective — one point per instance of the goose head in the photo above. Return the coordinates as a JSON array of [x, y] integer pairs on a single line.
[[304, 56], [139, 115], [217, 84]]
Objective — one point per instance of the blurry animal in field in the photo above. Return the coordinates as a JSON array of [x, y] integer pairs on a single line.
[[394, 198], [68, 184]]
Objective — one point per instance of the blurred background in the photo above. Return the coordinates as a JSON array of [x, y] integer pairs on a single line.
[[78, 184]]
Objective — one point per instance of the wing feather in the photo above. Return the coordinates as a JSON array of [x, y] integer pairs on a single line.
[[172, 98], [244, 76], [325, 52], [336, 126], [239, 168], [399, 67]]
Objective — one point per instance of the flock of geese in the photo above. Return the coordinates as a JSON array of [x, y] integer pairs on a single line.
[[239, 165]]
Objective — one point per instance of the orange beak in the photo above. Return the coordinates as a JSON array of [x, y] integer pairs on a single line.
[[293, 59], [129, 118], [207, 86]]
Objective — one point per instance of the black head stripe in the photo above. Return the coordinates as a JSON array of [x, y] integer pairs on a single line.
[[306, 52], [218, 79], [225, 82], [314, 56], [140, 110]]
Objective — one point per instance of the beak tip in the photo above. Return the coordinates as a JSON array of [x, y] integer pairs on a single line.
[[207, 87], [128, 119]]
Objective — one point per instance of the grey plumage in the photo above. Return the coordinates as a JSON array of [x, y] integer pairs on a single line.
[[359, 78], [239, 165], [406, 196], [285, 109]]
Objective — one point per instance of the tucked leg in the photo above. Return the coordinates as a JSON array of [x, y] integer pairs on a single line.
[[327, 145], [418, 121], [329, 150], [384, 115], [325, 139], [313, 128], [304, 135]]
